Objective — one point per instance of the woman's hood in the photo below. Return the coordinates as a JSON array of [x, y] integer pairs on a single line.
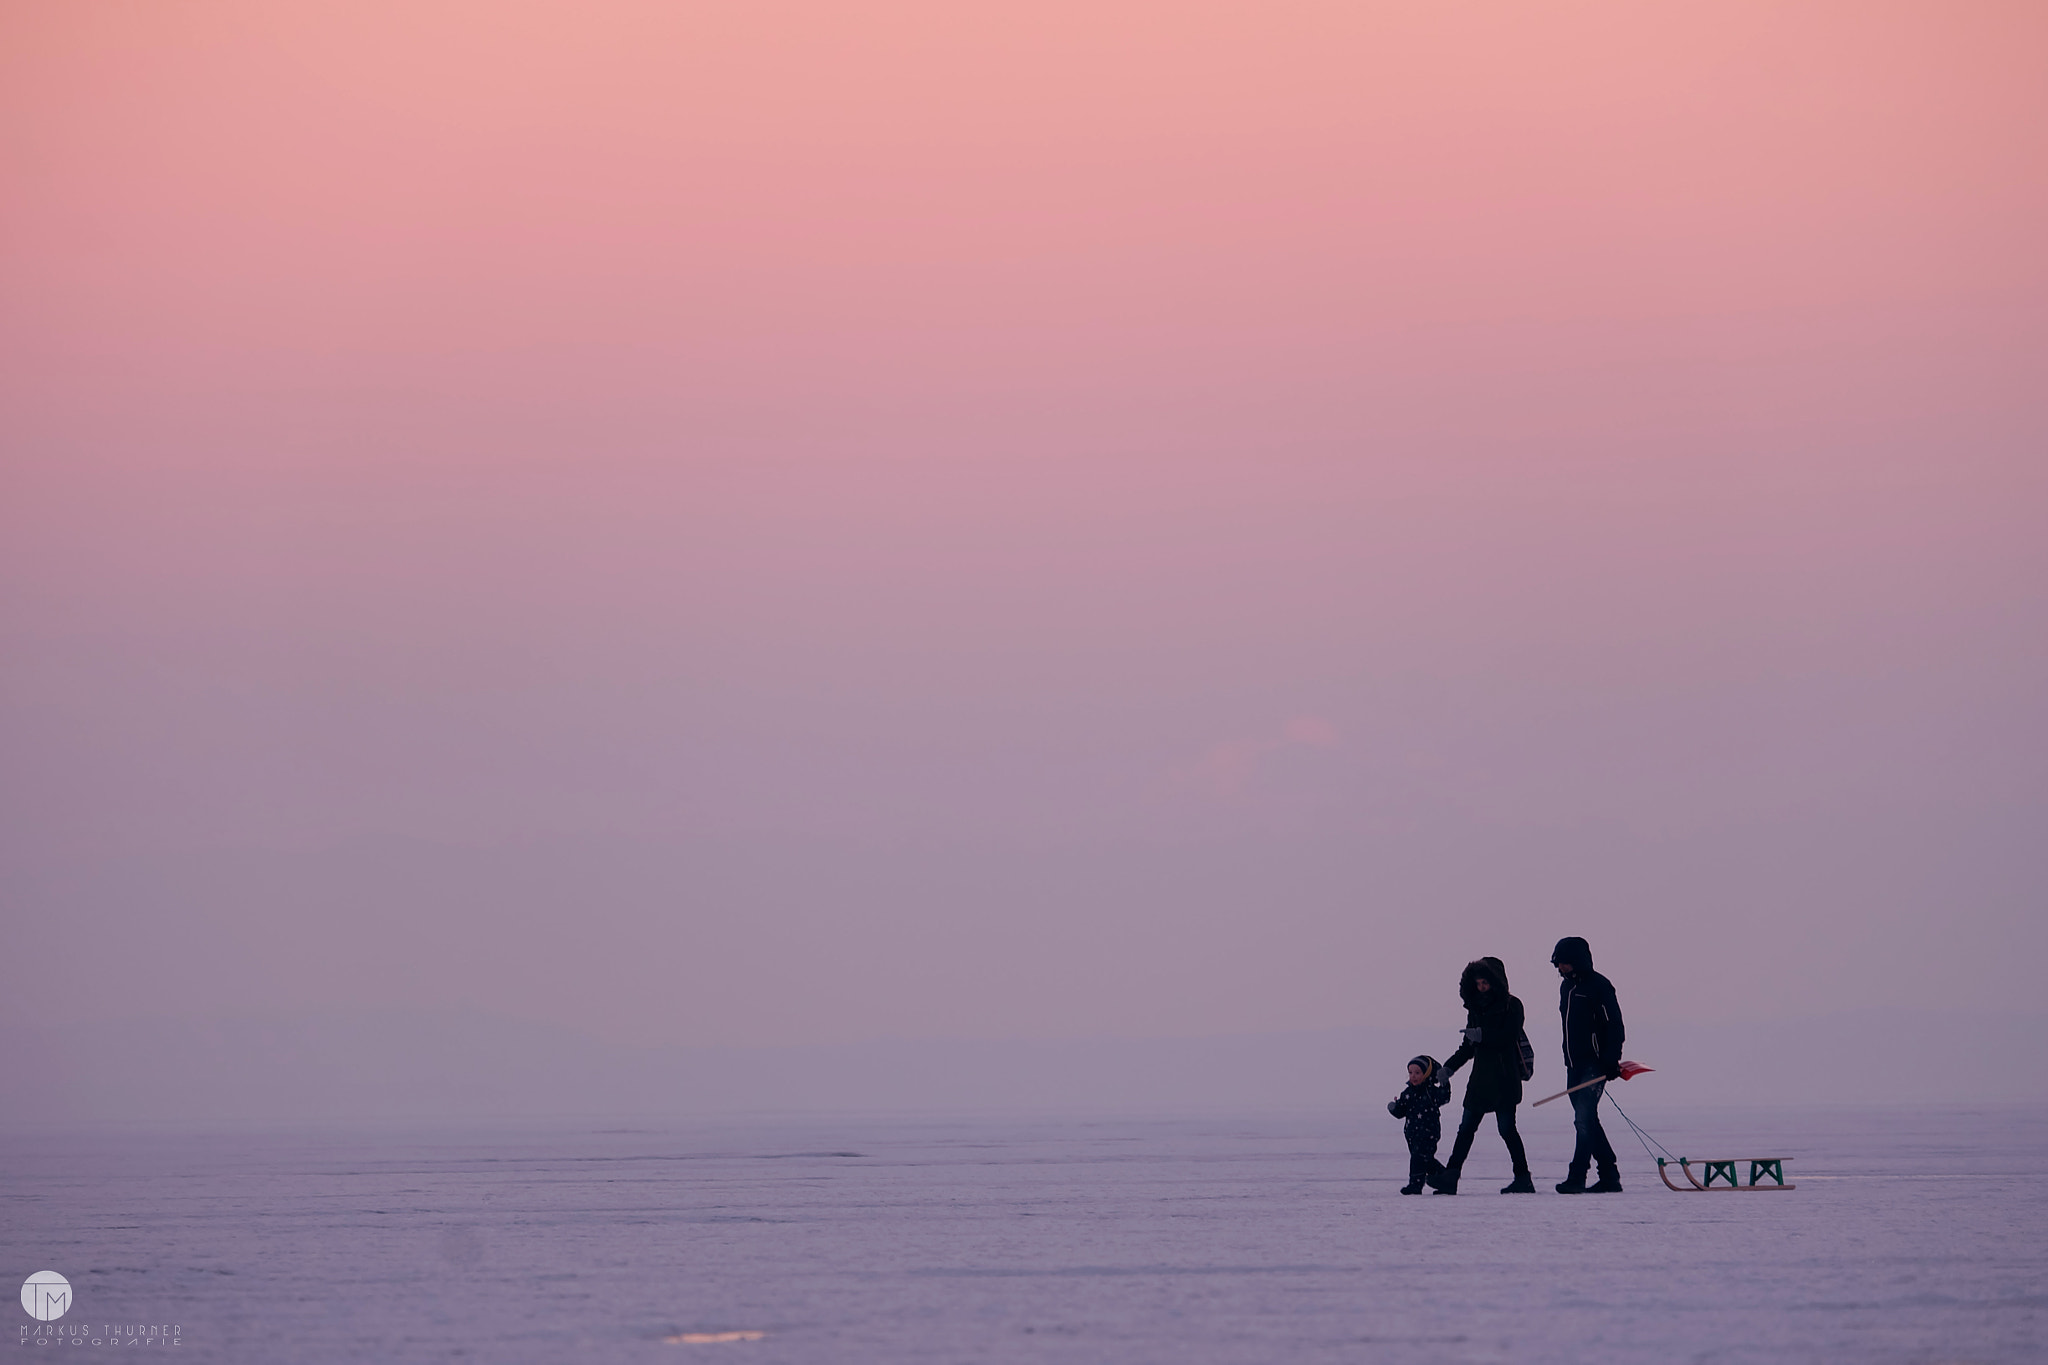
[[1495, 973]]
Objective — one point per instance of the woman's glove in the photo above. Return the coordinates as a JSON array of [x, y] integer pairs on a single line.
[[1472, 1035]]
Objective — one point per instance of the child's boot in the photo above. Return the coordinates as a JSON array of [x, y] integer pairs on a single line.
[[1444, 1179]]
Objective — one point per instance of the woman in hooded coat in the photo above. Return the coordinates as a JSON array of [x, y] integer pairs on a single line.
[[1493, 1044]]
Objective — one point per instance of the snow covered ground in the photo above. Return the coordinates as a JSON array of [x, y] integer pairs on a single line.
[[1916, 1235]]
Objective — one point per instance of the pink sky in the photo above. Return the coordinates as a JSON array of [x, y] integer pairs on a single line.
[[766, 523]]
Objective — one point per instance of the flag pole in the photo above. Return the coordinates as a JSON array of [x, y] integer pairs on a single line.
[[1628, 1069], [1562, 1093]]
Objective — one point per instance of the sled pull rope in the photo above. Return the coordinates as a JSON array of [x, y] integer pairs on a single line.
[[1641, 1136]]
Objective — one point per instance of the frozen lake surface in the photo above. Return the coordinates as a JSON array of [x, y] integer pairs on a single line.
[[1914, 1236]]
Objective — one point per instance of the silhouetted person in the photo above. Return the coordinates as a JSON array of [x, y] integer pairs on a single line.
[[1416, 1106], [1493, 1044], [1592, 1049]]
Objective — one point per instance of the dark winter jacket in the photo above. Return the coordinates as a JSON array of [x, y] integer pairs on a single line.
[[1493, 1039], [1417, 1106], [1592, 1016]]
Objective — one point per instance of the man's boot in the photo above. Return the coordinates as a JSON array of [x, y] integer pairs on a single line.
[[1609, 1182], [1574, 1181], [1523, 1184]]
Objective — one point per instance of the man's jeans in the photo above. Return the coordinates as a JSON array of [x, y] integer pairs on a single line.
[[1592, 1142]]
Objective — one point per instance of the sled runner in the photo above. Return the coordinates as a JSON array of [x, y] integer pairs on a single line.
[[1724, 1171]]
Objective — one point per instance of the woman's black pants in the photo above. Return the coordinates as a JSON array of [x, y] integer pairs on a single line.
[[1504, 1119]]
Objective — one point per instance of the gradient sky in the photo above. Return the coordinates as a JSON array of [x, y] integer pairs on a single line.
[[779, 522]]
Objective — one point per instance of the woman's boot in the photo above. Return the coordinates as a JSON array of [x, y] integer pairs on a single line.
[[1444, 1180], [1523, 1184]]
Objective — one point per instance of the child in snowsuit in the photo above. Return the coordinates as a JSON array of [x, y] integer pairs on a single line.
[[1427, 1091]]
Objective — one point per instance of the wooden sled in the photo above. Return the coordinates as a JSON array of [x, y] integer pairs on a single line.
[[1724, 1172]]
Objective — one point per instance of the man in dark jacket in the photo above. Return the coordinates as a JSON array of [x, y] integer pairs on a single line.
[[1493, 1044], [1592, 1051]]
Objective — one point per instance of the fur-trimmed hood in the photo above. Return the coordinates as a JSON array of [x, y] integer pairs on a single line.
[[1496, 975]]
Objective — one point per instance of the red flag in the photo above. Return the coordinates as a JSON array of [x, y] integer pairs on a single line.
[[1631, 1070]]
